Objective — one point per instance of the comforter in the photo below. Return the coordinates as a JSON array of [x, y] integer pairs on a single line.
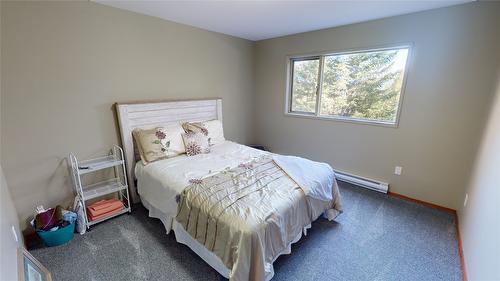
[[250, 214]]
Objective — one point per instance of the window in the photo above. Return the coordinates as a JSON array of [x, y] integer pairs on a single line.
[[364, 86]]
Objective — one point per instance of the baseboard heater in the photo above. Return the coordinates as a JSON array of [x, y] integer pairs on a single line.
[[361, 181]]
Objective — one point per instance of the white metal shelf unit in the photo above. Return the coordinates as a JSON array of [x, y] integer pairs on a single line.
[[117, 184]]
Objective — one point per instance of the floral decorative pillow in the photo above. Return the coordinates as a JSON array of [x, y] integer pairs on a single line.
[[159, 143], [195, 127], [212, 129], [195, 143]]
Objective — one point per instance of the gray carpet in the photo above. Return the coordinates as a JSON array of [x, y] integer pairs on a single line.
[[376, 238]]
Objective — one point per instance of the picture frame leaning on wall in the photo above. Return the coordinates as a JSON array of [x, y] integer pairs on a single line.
[[30, 269]]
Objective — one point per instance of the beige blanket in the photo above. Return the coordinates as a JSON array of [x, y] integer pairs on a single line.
[[249, 215]]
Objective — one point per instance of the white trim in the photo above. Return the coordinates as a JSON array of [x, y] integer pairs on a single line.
[[322, 54], [342, 119], [319, 91]]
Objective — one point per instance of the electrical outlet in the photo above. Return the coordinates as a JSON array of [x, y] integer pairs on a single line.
[[398, 170], [466, 199]]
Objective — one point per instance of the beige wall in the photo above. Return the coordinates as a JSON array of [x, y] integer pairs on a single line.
[[65, 64], [480, 219], [8, 220], [446, 99]]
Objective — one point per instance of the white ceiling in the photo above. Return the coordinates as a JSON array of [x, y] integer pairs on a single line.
[[258, 20]]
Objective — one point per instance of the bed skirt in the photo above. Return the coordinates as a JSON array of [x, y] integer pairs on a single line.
[[181, 236]]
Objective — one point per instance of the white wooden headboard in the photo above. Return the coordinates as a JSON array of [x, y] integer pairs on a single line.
[[153, 114]]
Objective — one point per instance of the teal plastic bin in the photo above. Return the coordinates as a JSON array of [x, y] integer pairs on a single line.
[[58, 237]]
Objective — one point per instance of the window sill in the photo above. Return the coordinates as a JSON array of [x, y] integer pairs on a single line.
[[346, 120]]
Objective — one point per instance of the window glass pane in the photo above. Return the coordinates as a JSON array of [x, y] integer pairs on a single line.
[[363, 85], [304, 85]]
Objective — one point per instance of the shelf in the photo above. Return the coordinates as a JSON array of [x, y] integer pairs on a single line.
[[115, 185], [126, 209], [98, 164], [102, 188]]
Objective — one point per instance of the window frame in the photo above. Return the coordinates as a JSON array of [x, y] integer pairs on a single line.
[[321, 55], [320, 74]]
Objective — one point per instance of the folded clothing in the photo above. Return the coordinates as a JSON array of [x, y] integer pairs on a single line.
[[46, 220], [93, 218], [53, 219], [104, 204], [104, 208]]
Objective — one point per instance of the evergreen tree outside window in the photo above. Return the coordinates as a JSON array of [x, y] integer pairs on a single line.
[[363, 86], [305, 84]]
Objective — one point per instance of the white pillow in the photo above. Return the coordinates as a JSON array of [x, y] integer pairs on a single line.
[[215, 131], [212, 129]]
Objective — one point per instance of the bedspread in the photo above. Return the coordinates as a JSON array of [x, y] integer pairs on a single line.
[[248, 215]]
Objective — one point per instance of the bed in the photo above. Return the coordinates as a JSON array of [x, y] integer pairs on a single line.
[[237, 207]]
